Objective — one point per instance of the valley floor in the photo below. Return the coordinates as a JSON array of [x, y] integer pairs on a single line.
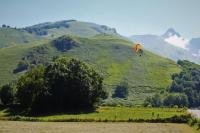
[[88, 127]]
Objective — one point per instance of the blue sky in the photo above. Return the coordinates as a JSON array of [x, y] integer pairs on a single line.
[[129, 17]]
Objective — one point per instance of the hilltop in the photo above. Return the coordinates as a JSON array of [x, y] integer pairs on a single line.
[[10, 36]]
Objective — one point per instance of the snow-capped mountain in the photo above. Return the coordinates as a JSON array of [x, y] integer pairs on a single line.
[[174, 38], [171, 45], [170, 32]]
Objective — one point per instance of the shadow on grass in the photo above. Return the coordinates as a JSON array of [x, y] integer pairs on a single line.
[[19, 111], [2, 107]]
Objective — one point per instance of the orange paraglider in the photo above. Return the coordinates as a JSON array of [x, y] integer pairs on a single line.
[[138, 49]]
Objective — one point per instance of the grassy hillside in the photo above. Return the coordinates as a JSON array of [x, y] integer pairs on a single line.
[[10, 57], [50, 30], [11, 36], [110, 55]]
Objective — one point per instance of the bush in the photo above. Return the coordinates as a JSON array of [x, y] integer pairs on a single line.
[[154, 101], [178, 99], [121, 90], [7, 94], [22, 65], [64, 43]]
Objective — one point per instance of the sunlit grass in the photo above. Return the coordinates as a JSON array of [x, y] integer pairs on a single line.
[[107, 114]]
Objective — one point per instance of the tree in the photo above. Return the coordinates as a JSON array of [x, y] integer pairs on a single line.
[[178, 99], [7, 94], [31, 89], [186, 82], [73, 84], [64, 43], [154, 101], [121, 90], [4, 26]]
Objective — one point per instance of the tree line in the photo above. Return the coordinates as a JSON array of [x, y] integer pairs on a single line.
[[184, 89]]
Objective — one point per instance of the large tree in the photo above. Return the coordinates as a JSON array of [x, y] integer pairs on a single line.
[[73, 84], [31, 89]]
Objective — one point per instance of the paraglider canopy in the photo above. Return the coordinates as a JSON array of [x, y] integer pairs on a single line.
[[138, 49]]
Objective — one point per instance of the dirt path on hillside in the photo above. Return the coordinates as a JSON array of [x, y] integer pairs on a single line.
[[87, 127]]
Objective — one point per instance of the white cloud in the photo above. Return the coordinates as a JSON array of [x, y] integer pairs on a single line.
[[177, 41]]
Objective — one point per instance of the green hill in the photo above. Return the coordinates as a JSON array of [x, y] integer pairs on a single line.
[[50, 30], [111, 56], [69, 27], [12, 36]]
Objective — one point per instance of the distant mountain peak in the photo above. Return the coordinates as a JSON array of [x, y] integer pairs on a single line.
[[172, 37], [171, 32]]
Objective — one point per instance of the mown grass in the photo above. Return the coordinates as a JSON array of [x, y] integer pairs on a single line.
[[91, 127], [110, 114]]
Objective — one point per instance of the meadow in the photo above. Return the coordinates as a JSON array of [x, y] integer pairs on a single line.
[[109, 114]]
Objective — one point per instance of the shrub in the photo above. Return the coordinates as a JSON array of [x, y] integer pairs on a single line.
[[154, 101], [178, 99], [121, 91], [7, 94], [22, 65]]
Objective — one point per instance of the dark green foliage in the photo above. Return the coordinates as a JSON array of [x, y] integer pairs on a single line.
[[61, 86], [179, 100], [121, 90], [73, 84], [22, 65], [7, 94], [187, 82], [4, 26], [187, 64], [154, 101], [184, 90], [64, 43], [31, 89], [36, 56], [42, 29], [37, 31]]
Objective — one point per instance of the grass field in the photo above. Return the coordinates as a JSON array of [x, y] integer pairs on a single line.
[[57, 127], [109, 114]]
